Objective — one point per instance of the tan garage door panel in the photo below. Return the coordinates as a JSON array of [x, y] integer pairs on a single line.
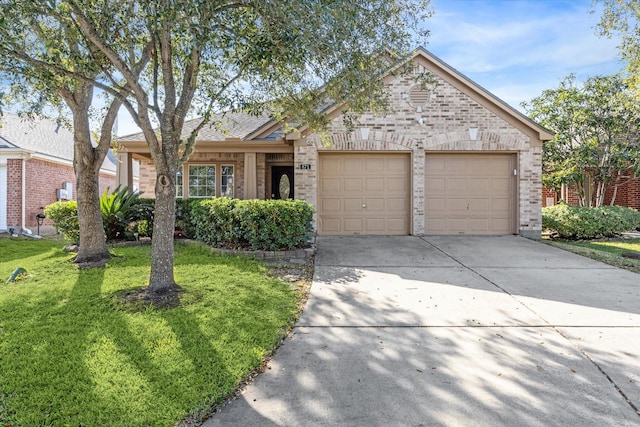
[[470, 194], [364, 194]]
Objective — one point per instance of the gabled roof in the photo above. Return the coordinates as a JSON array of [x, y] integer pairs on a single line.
[[470, 87], [245, 127], [229, 125], [43, 136]]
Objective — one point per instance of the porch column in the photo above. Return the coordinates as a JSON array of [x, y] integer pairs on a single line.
[[124, 170], [250, 176]]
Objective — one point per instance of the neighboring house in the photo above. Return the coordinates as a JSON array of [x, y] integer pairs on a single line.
[[447, 159], [36, 169], [627, 194]]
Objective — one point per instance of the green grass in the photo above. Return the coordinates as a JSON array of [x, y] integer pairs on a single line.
[[71, 353], [608, 251]]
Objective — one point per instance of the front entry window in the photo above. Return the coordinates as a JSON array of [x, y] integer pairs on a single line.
[[207, 181], [202, 181]]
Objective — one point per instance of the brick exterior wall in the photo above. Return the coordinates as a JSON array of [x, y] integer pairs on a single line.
[[148, 171], [549, 197], [446, 117], [42, 179], [147, 178]]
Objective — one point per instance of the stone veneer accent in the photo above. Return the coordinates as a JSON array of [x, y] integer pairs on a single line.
[[447, 115]]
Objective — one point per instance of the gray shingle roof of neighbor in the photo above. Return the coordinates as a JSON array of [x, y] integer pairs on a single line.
[[231, 125], [43, 136]]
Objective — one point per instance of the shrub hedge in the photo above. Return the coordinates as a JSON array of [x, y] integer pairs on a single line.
[[574, 222], [258, 224], [222, 222]]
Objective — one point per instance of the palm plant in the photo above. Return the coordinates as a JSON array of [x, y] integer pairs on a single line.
[[118, 211]]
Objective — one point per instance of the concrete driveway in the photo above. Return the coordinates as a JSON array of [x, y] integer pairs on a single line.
[[410, 331]]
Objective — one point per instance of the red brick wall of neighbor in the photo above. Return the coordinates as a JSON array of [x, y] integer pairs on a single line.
[[42, 180], [628, 195], [107, 182], [549, 195]]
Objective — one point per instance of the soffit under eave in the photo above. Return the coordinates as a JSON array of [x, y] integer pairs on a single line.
[[229, 145]]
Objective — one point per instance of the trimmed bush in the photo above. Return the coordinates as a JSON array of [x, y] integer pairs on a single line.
[[257, 224], [142, 216], [65, 219], [574, 222], [216, 223], [184, 221]]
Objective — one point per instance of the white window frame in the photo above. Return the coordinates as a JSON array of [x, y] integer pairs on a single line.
[[205, 185], [218, 169]]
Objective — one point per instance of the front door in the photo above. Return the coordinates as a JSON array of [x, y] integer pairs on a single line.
[[282, 182]]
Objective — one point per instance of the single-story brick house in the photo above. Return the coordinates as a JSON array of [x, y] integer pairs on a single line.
[[447, 159], [36, 169]]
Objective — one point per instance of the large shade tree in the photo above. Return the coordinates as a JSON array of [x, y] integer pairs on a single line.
[[285, 57], [47, 68], [596, 144]]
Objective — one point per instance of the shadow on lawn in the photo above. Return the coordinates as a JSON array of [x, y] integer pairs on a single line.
[[13, 249], [79, 357]]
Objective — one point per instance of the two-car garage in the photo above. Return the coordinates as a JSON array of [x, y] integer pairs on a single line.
[[371, 194]]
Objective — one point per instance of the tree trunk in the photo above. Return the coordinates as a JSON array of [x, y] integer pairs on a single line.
[[161, 279], [92, 248], [600, 193], [616, 184]]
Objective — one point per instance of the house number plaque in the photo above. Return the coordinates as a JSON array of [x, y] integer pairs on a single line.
[[304, 166]]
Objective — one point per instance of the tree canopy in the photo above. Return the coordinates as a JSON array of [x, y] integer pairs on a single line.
[[597, 128], [47, 67], [166, 59], [622, 17]]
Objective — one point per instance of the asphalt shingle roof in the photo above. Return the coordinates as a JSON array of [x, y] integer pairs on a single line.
[[230, 125], [43, 136]]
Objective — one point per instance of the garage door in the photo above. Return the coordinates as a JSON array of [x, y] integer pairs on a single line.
[[363, 194], [470, 194]]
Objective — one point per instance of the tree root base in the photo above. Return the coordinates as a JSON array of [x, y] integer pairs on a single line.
[[167, 298], [91, 261]]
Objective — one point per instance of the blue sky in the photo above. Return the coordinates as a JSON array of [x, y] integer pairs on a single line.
[[517, 48]]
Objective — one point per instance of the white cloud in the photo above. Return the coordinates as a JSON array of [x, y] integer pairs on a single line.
[[516, 49]]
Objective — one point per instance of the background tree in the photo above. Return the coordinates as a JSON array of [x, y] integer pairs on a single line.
[[596, 129], [44, 60], [622, 17]]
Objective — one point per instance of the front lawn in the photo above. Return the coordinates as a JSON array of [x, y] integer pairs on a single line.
[[72, 353], [608, 251]]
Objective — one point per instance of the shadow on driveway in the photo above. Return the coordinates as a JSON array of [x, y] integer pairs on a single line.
[[454, 331]]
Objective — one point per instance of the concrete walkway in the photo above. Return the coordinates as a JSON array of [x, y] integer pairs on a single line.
[[457, 331]]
